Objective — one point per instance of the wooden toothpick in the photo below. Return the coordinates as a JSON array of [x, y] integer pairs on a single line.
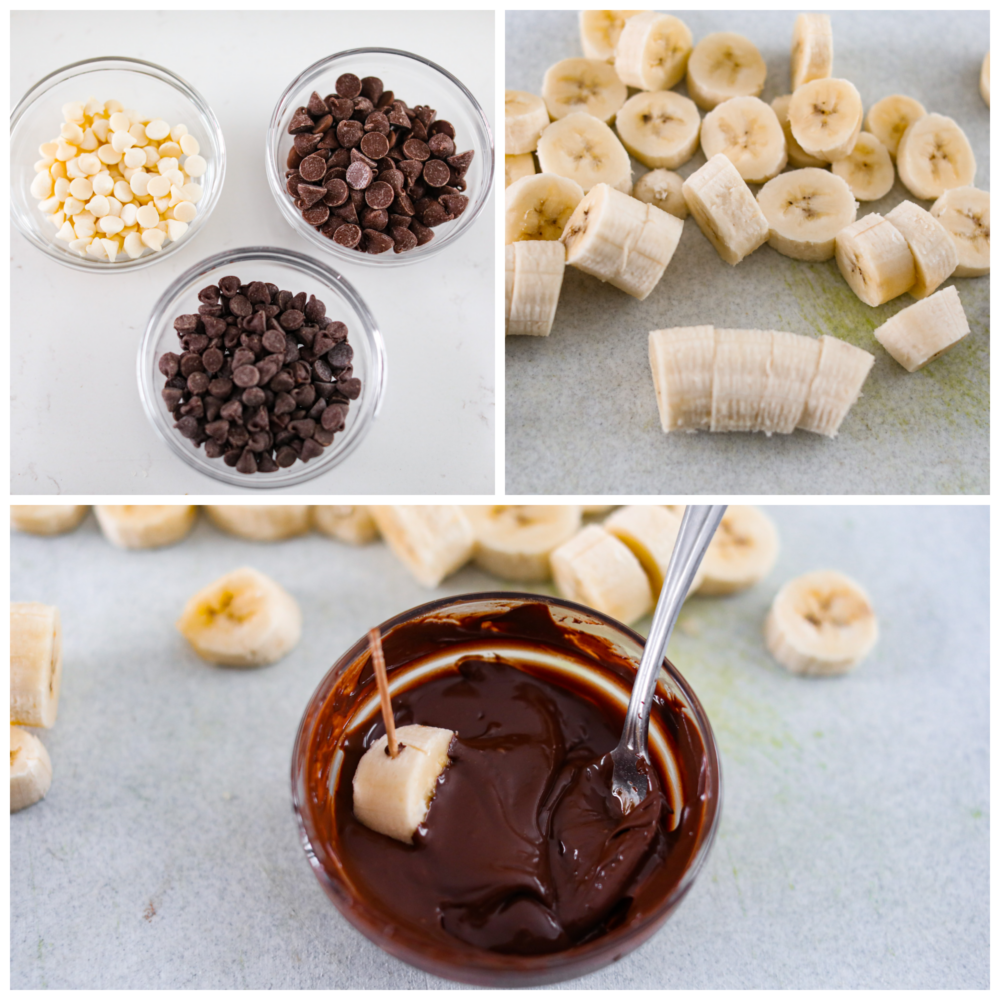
[[382, 679]]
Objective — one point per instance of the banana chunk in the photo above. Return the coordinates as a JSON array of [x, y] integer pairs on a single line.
[[825, 117], [984, 79], [924, 331], [797, 156], [263, 523], [585, 150], [836, 386], [30, 769], [875, 260], [868, 170], [243, 619], [534, 269], [652, 51], [516, 167], [145, 526], [934, 254], [35, 664], [934, 155], [586, 86], [682, 360], [790, 375], [525, 115], [47, 519], [747, 131], [739, 379], [965, 213], [354, 525], [889, 118], [432, 541], [812, 49], [515, 542], [650, 532], [538, 207], [600, 31], [393, 795], [821, 623], [664, 189], [659, 128], [724, 65]]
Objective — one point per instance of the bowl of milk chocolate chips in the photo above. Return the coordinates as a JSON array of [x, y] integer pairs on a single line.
[[477, 836]]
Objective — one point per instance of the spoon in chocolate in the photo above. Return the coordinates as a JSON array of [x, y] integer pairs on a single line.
[[629, 783]]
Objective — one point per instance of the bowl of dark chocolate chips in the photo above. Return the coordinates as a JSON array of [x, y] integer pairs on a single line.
[[261, 367], [379, 156]]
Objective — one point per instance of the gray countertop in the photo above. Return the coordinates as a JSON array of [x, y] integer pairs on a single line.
[[853, 849], [586, 390]]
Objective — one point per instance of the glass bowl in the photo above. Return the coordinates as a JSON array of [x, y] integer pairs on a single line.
[[590, 650], [297, 273], [148, 88], [415, 80]]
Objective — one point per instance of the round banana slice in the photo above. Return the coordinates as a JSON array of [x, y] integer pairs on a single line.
[[525, 115], [353, 525], [875, 260], [965, 213], [589, 86], [35, 663], [30, 769], [724, 65], [516, 167], [653, 51], [538, 207], [515, 542], [984, 80], [825, 117], [812, 49], [889, 118], [748, 132], [650, 532], [662, 188], [797, 156], [432, 541], [921, 333], [805, 209], [868, 170], [600, 31], [821, 623], [934, 156], [264, 523], [659, 128], [47, 519], [583, 149], [934, 254], [145, 526]]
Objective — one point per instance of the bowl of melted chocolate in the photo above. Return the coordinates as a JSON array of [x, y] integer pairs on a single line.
[[524, 869]]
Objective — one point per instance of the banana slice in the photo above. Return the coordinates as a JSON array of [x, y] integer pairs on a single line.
[[984, 80], [820, 623], [747, 131], [597, 508], [583, 149], [586, 86], [47, 519], [35, 664], [825, 117], [538, 207], [620, 240], [662, 188], [600, 31], [724, 65], [875, 260], [536, 269], [650, 532], [965, 213], [263, 523], [516, 167], [725, 210], [393, 795], [659, 128], [432, 541], [515, 542], [868, 170], [145, 526], [682, 360], [889, 118], [797, 156], [934, 156], [934, 254], [354, 525], [30, 769], [243, 619], [805, 209], [790, 375], [525, 116], [652, 51], [812, 49], [739, 378], [836, 386], [919, 334], [597, 570]]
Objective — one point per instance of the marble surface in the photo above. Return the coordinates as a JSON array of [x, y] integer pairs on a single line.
[[586, 390], [68, 439], [853, 849]]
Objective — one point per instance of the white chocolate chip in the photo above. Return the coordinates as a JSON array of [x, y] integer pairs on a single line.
[[153, 238], [83, 226], [103, 184], [98, 206], [158, 186], [138, 132], [157, 129], [176, 229], [49, 206], [41, 186], [192, 192], [129, 213], [111, 248], [147, 216], [48, 150], [101, 127], [72, 168], [89, 164], [97, 249], [114, 206], [111, 224], [123, 192], [72, 206], [81, 188], [138, 181], [184, 211], [108, 154], [190, 145], [112, 106], [120, 122], [79, 245], [170, 149], [67, 234], [195, 166], [178, 131], [43, 165], [73, 112], [93, 107], [61, 188], [121, 141], [89, 142], [152, 156], [64, 151], [135, 158], [71, 132], [162, 204], [166, 163], [133, 245]]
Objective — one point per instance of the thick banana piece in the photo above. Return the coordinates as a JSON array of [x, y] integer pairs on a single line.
[[516, 167], [262, 523], [724, 65], [538, 207], [821, 623], [243, 619], [836, 386], [739, 379], [659, 128], [145, 526], [812, 49], [683, 360], [587, 86], [392, 795], [650, 532], [825, 117], [586, 151], [431, 541], [47, 519], [30, 769], [868, 170], [725, 210], [875, 260], [515, 542], [620, 240], [35, 664], [653, 51], [535, 269], [664, 189], [984, 80], [934, 255], [525, 116], [797, 156], [965, 213], [889, 118], [934, 155], [924, 331], [790, 378], [354, 525], [805, 209], [597, 570], [600, 31], [747, 131]]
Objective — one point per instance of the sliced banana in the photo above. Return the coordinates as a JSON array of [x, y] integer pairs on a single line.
[[724, 65], [934, 156], [965, 213], [924, 331], [682, 360], [587, 86], [145, 526], [725, 210], [875, 260], [659, 128], [525, 116], [790, 375], [821, 623], [35, 663], [650, 532], [536, 269], [597, 508], [652, 51], [868, 170], [243, 619], [262, 523], [431, 541], [747, 131], [825, 117], [984, 80], [354, 525], [30, 769], [515, 542], [47, 519], [934, 254], [812, 49], [889, 118], [538, 207], [739, 379], [836, 386], [797, 156], [805, 209], [662, 188], [620, 240], [600, 31], [516, 167], [583, 149]]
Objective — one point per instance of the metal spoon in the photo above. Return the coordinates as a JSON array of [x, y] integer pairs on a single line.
[[629, 783]]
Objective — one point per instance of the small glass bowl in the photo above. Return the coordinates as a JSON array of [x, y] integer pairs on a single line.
[[413, 79], [148, 88], [297, 273], [347, 698]]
